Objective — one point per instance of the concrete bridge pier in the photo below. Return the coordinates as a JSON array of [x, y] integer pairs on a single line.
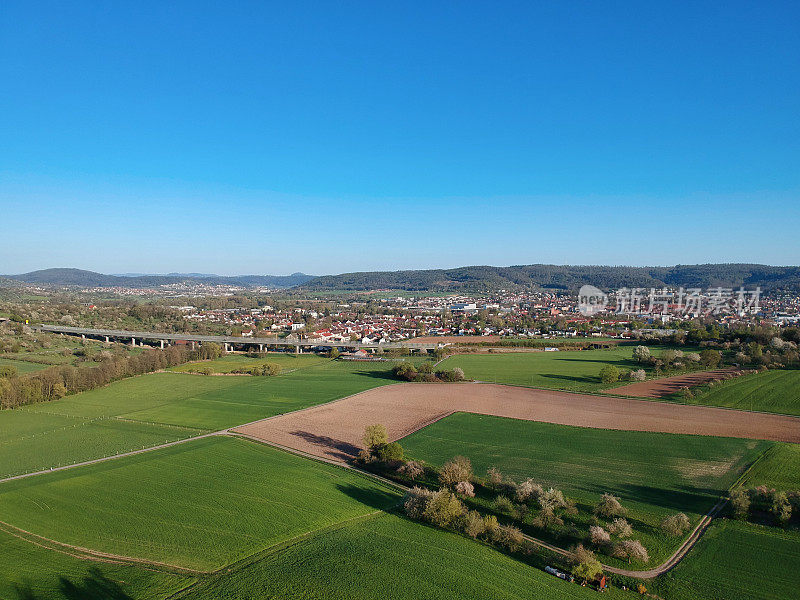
[[107, 340], [261, 347], [133, 342], [162, 344], [226, 347], [83, 337]]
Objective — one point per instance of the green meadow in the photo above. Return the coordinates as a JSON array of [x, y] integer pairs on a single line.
[[736, 560], [775, 391], [233, 362], [23, 367], [161, 407], [201, 505], [388, 557], [30, 572], [654, 474], [568, 370], [779, 469]]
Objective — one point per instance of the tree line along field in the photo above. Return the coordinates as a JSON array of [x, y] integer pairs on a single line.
[[653, 474], [564, 370], [735, 560], [775, 391], [200, 505], [161, 407]]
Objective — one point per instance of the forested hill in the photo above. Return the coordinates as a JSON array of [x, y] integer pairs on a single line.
[[81, 278], [564, 278], [462, 279]]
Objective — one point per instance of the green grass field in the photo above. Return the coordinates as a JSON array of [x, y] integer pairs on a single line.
[[567, 370], [771, 391], [654, 474], [735, 560], [232, 362], [779, 469], [202, 504], [29, 572], [152, 409], [389, 558], [22, 367]]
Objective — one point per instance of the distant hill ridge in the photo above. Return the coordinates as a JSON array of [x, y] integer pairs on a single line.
[[462, 279], [564, 278], [79, 277]]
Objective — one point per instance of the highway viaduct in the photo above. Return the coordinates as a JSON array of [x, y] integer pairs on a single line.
[[228, 342]]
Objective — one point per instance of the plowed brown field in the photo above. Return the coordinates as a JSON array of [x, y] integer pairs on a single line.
[[658, 388], [334, 430]]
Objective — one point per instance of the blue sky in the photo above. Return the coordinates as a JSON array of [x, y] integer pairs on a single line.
[[329, 137]]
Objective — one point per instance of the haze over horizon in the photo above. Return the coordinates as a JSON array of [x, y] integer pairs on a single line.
[[274, 139]]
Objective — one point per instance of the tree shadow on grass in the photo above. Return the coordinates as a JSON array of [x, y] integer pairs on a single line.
[[571, 378], [697, 500], [92, 586], [377, 498], [336, 448], [377, 374]]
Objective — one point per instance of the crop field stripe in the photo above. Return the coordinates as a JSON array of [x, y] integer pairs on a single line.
[[310, 489], [761, 457], [106, 458], [90, 554]]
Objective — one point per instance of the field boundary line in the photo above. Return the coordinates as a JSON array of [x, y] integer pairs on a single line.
[[746, 472], [107, 458], [89, 554], [275, 549], [225, 431]]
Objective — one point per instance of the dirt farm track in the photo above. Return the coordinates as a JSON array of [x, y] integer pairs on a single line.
[[334, 430]]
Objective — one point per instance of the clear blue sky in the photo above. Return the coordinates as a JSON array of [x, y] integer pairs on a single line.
[[338, 136]]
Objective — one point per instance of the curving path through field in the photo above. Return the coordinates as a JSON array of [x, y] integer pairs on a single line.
[[332, 433], [334, 430]]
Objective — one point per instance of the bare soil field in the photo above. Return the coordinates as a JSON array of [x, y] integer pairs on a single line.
[[334, 430], [658, 388]]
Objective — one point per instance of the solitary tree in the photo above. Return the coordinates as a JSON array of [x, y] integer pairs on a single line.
[[494, 476], [641, 354], [455, 470], [585, 565], [781, 509], [710, 358], [375, 436], [740, 503], [443, 508], [599, 536], [609, 506], [631, 550], [411, 469], [675, 525], [638, 375], [621, 528], [609, 374]]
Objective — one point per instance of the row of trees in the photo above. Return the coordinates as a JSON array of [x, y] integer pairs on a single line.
[[425, 372], [56, 382], [760, 502]]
